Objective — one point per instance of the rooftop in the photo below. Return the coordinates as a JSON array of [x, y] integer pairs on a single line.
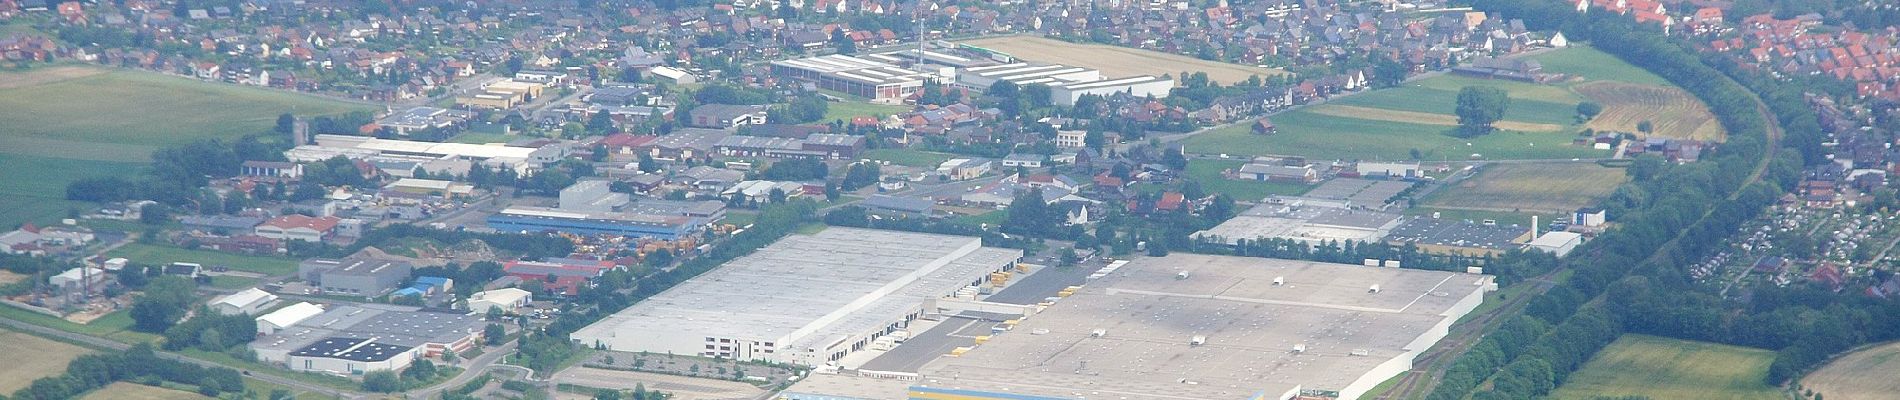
[[353, 349], [1460, 233], [1130, 333], [807, 291]]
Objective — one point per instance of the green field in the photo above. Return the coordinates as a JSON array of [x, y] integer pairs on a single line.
[[1663, 368], [63, 123], [1208, 173], [1388, 124], [1328, 137], [117, 325], [31, 357], [908, 157], [844, 110], [161, 255]]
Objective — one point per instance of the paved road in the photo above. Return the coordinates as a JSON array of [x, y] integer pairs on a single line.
[[471, 369], [116, 345]]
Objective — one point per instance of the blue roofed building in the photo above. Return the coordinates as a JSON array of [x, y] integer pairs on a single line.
[[539, 219]]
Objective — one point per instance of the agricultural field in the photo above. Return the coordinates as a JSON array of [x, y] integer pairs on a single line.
[[1117, 61], [1862, 375], [161, 255], [1548, 187], [63, 123], [1540, 122], [1663, 368], [128, 390], [32, 357]]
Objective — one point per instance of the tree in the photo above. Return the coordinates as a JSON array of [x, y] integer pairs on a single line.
[[285, 124], [422, 370], [1588, 110], [163, 303], [494, 333], [607, 394], [381, 382], [154, 214], [1646, 127], [1387, 72], [1478, 108], [842, 41]]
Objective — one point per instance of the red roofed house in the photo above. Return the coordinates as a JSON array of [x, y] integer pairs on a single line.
[[1170, 201], [298, 227]]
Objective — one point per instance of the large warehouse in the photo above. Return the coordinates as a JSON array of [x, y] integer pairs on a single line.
[[1216, 327], [1066, 84], [805, 300], [1311, 221], [861, 77], [542, 219], [353, 339]]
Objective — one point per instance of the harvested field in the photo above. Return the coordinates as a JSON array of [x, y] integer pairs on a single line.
[[1862, 375], [32, 357], [9, 277], [41, 76], [127, 390], [1552, 187], [681, 387], [1117, 61], [1673, 111], [1414, 117]]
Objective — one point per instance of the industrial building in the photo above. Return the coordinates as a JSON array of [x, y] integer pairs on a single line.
[[873, 79], [805, 300], [523, 160], [542, 219], [505, 299], [366, 277], [1306, 220], [1559, 243], [1066, 84], [286, 317], [354, 339], [1213, 327], [248, 301]]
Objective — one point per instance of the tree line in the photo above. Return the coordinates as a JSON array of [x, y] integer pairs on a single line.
[[139, 364]]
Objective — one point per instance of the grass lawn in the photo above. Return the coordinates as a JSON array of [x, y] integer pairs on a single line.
[[1663, 368], [482, 138], [67, 122], [1439, 95], [330, 381], [1208, 173], [844, 110], [1330, 137], [1539, 188], [908, 157], [117, 325], [128, 390], [161, 255], [1593, 64], [32, 357], [740, 218], [993, 218]]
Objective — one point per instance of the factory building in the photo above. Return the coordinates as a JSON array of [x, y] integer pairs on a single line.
[[1066, 84], [1208, 327], [366, 277], [1066, 94], [248, 301], [542, 219], [354, 339], [876, 80], [805, 300]]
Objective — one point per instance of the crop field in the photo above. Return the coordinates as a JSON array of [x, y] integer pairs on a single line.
[[1117, 61], [32, 357], [128, 390], [63, 123], [1596, 65], [161, 255], [1549, 187], [1672, 111], [1663, 368], [1862, 375], [1425, 118]]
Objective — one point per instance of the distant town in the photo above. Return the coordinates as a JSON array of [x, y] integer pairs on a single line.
[[869, 200]]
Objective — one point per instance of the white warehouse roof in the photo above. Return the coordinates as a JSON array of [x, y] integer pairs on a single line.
[[291, 315], [805, 291], [246, 298]]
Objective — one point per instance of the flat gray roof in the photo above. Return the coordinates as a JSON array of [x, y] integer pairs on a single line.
[[1306, 222], [807, 291], [390, 324], [1147, 314]]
